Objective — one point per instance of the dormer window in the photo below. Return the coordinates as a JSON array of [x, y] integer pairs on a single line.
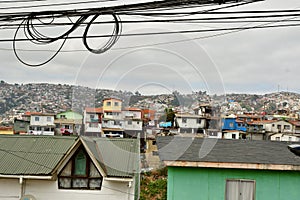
[[80, 173]]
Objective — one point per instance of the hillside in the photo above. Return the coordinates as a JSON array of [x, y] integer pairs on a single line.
[[15, 99]]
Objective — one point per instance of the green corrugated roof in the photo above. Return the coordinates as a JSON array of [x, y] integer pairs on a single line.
[[119, 157], [32, 155]]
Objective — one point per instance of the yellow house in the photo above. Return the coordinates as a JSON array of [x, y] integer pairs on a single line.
[[6, 130], [112, 104]]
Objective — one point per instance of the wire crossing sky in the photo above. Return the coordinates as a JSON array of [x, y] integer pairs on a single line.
[[237, 37]]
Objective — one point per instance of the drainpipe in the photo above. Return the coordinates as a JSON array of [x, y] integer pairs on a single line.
[[22, 183]]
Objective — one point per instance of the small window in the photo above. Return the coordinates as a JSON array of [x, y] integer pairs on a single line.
[[116, 103], [80, 173], [22, 125], [233, 136], [49, 119], [286, 127], [240, 189], [129, 122], [198, 121], [36, 119], [184, 120], [92, 116], [231, 124], [108, 103]]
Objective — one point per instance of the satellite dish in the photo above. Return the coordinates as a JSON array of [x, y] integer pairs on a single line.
[[28, 197]]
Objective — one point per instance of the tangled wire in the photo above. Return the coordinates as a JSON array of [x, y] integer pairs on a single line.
[[35, 36]]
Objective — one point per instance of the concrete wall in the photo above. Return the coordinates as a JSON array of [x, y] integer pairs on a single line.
[[209, 183], [10, 189]]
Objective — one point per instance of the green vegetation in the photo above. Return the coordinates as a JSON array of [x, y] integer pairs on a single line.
[[154, 185]]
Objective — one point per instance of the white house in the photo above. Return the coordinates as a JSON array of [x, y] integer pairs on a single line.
[[92, 121], [68, 168], [280, 126], [41, 124], [133, 123], [189, 123], [285, 137]]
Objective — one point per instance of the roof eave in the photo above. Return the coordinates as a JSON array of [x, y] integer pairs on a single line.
[[229, 165], [42, 177], [118, 179]]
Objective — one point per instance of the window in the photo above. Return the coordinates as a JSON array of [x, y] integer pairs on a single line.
[[231, 124], [22, 125], [80, 173], [36, 119], [48, 119], [286, 127], [129, 122], [233, 136], [240, 189], [184, 120], [198, 121], [116, 103], [108, 103]]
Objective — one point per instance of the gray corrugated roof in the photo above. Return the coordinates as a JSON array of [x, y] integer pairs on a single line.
[[232, 151], [119, 157], [32, 155]]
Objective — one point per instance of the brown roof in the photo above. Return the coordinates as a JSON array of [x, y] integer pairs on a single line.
[[94, 110]]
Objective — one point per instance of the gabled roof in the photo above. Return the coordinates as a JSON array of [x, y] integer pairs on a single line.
[[42, 156], [248, 154], [117, 157], [32, 155]]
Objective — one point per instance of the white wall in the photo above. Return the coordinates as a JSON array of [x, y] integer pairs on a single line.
[[10, 189], [43, 120], [191, 123]]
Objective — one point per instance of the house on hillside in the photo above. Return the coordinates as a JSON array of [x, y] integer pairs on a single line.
[[68, 123], [61, 167], [229, 169], [20, 126], [41, 124], [133, 123], [190, 123], [92, 120], [112, 123]]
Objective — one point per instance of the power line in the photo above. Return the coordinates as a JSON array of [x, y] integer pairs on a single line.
[[35, 36], [55, 4], [20, 1]]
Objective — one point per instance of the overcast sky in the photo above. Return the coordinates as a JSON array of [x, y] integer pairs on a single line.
[[251, 61]]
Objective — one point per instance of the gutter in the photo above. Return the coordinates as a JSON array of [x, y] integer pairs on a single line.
[[22, 177], [118, 179]]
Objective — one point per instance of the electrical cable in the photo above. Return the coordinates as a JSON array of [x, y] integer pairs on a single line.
[[34, 35]]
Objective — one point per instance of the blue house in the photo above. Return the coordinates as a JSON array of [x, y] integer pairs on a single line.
[[230, 123]]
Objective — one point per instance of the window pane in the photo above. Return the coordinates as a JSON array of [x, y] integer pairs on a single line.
[[240, 190], [64, 182], [247, 190], [95, 183], [80, 183], [232, 190], [80, 164]]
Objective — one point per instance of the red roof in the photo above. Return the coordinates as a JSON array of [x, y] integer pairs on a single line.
[[133, 109]]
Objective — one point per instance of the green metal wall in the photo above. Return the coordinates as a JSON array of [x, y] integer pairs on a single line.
[[209, 184]]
